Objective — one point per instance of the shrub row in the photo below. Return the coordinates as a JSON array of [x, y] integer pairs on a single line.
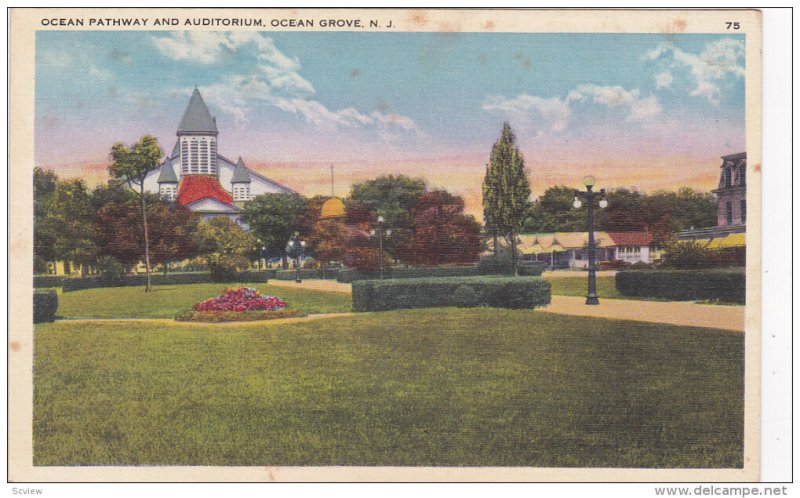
[[45, 305], [348, 276], [494, 291], [684, 285], [73, 284], [330, 274], [43, 281]]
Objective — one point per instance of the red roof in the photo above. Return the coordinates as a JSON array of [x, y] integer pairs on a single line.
[[631, 238], [196, 187]]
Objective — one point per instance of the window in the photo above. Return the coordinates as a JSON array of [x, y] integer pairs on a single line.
[[194, 163], [727, 177], [740, 177], [729, 213], [184, 156], [743, 210], [213, 156], [204, 167], [241, 192]]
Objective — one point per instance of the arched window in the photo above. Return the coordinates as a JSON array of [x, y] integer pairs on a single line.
[[740, 176], [727, 176], [729, 213]]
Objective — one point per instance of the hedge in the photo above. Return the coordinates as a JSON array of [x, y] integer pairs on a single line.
[[493, 291], [45, 305], [684, 285], [43, 281], [73, 284], [348, 276]]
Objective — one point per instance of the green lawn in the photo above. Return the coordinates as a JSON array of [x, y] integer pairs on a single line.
[[168, 300], [577, 286], [443, 387]]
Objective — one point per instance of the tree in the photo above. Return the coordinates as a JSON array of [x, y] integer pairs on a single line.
[[132, 165], [172, 228], [224, 245], [508, 190], [117, 234], [71, 222], [328, 241], [442, 232], [274, 218], [45, 233], [390, 196], [553, 212]]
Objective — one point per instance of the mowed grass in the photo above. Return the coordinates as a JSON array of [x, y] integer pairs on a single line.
[[436, 387], [578, 286], [168, 300]]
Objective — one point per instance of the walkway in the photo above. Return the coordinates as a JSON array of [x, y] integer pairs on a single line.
[[669, 312]]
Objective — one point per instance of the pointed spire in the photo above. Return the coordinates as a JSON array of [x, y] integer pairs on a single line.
[[240, 173], [197, 119], [167, 174]]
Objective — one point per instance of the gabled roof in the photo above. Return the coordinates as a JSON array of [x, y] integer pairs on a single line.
[[258, 175], [197, 119], [167, 174], [196, 187], [631, 238], [240, 174]]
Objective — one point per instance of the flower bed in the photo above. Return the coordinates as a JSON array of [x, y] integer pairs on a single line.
[[242, 304], [241, 299], [234, 316]]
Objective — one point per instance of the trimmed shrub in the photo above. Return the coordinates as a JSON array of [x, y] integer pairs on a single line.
[[43, 281], [533, 269], [684, 285], [45, 305], [111, 271], [291, 274], [74, 284], [495, 291]]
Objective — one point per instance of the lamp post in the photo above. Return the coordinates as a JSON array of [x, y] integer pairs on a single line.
[[297, 245], [381, 220], [589, 196]]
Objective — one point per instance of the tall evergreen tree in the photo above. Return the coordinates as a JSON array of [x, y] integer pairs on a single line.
[[506, 191]]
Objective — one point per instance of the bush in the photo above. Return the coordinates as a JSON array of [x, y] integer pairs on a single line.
[[349, 276], [111, 270], [496, 291], [41, 281], [45, 305], [691, 256], [311, 264], [74, 284], [684, 285], [292, 274]]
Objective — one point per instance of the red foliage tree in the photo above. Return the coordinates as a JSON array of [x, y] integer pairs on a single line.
[[442, 232], [171, 230], [117, 232]]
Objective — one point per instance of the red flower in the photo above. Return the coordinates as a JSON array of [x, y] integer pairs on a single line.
[[241, 299]]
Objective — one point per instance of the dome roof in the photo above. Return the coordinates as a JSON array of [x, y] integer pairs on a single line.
[[332, 208]]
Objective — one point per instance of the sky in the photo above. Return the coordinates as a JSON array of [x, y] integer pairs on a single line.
[[634, 110]]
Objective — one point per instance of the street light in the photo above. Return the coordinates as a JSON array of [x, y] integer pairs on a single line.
[[381, 221], [298, 245], [589, 196]]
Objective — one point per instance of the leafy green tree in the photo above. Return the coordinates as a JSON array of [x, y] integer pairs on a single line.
[[45, 233], [510, 191], [274, 218], [224, 245], [132, 165], [394, 198], [553, 212], [71, 221]]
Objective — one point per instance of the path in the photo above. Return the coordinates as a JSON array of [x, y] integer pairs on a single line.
[[170, 321], [317, 285], [669, 312]]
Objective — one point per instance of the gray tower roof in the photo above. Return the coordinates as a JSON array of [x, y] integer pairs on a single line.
[[197, 119], [167, 174], [240, 173]]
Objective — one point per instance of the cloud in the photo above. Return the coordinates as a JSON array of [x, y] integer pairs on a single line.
[[274, 79], [663, 80], [709, 68], [554, 114]]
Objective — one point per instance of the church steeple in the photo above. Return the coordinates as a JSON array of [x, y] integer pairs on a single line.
[[197, 134], [240, 182], [197, 118]]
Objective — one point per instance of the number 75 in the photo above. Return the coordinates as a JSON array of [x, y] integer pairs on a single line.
[[732, 25]]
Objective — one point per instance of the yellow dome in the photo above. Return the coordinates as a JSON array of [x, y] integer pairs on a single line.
[[332, 208]]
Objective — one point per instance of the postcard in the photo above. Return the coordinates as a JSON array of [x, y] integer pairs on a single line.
[[384, 245]]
